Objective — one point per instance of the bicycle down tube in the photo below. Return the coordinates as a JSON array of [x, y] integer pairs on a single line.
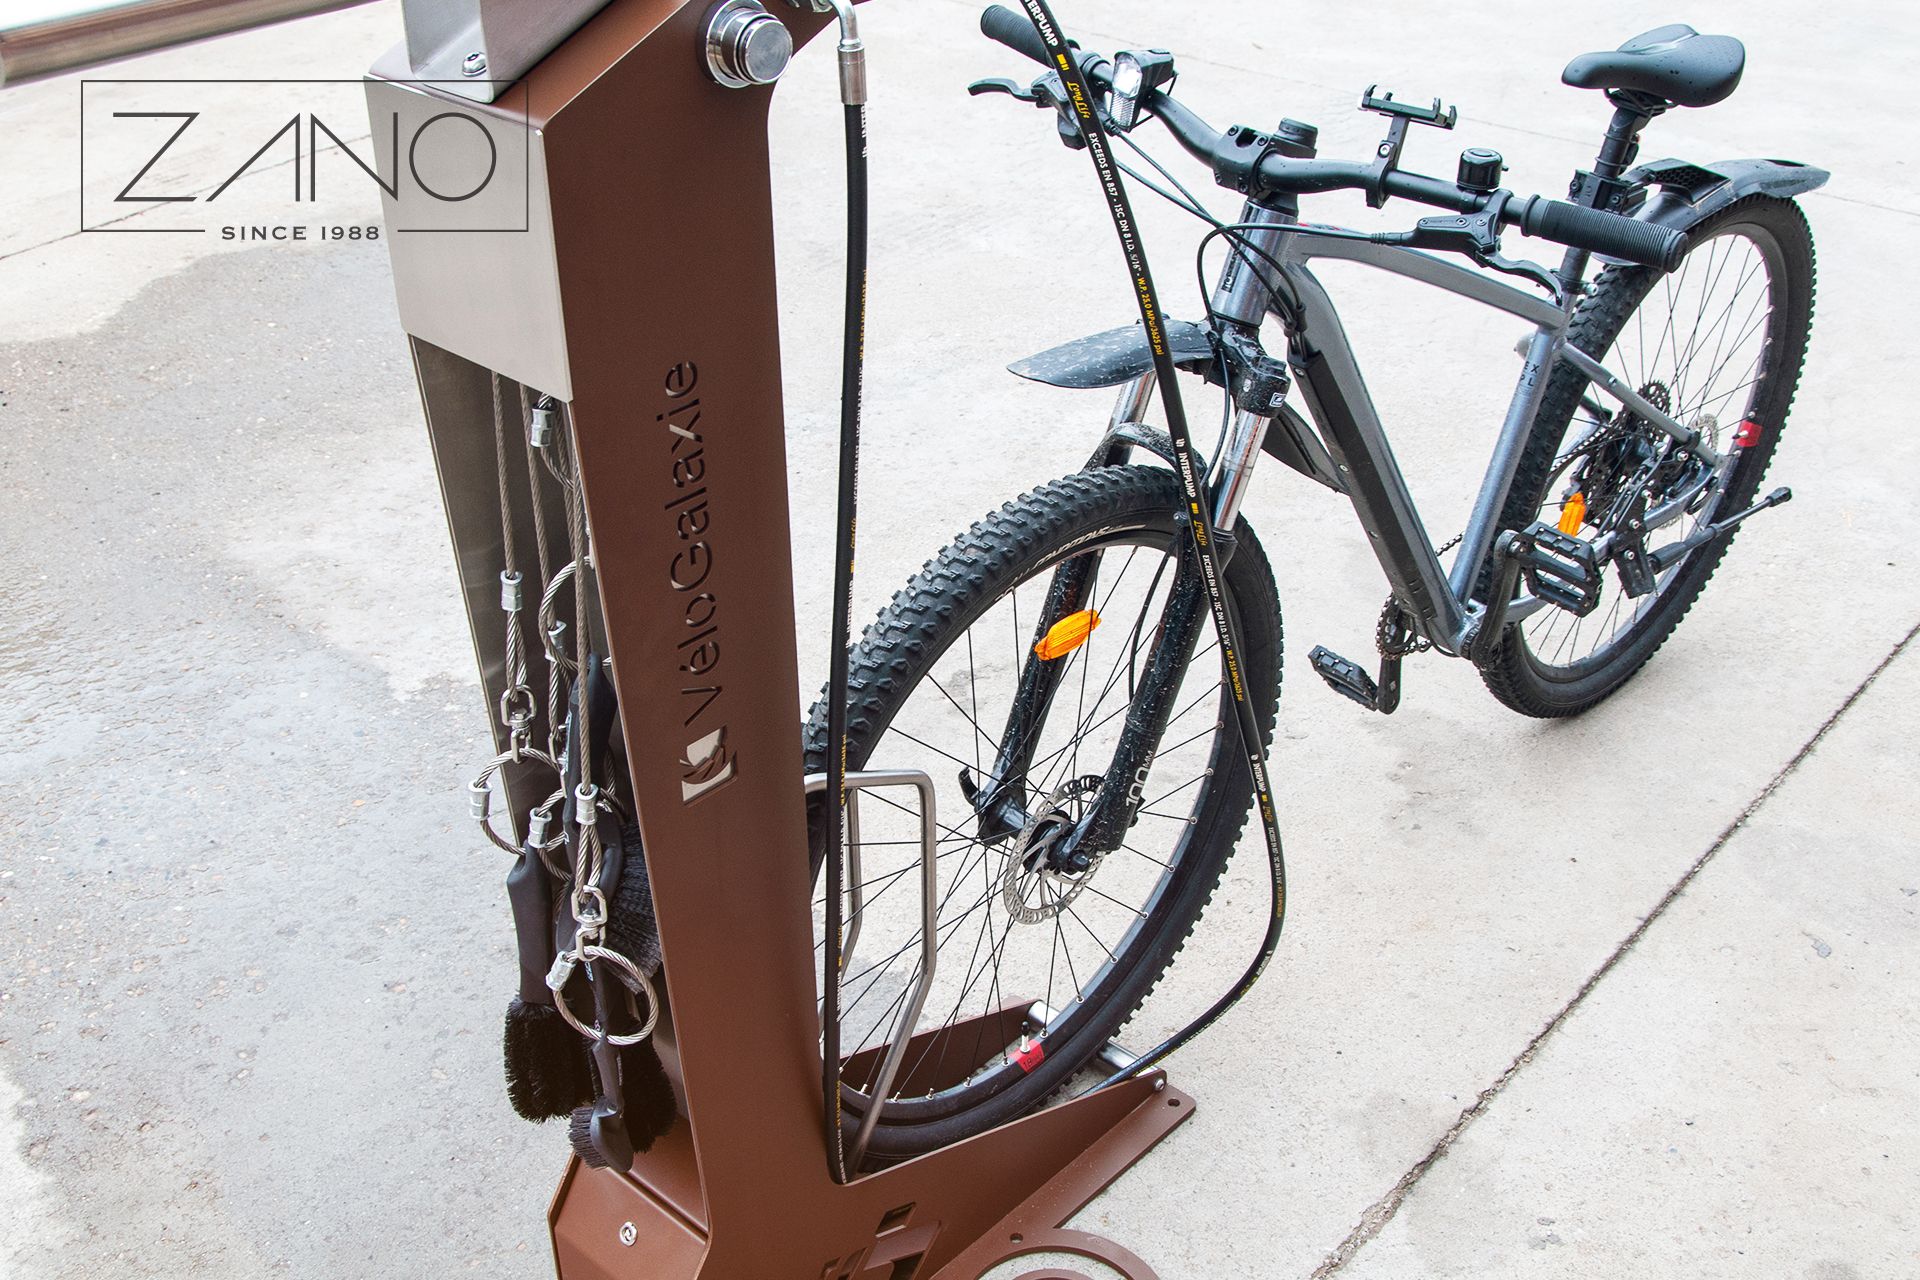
[[1343, 409]]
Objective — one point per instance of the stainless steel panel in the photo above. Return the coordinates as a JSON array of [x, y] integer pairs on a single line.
[[475, 277], [479, 47], [90, 36]]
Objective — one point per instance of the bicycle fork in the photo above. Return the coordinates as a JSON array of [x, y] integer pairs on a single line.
[[1122, 789]]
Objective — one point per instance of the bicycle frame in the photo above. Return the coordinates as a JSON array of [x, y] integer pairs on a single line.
[[1350, 427], [1355, 458], [1341, 406]]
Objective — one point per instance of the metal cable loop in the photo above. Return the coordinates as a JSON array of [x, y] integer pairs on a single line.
[[630, 977]]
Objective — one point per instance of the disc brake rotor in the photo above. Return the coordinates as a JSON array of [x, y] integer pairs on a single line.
[[1028, 865]]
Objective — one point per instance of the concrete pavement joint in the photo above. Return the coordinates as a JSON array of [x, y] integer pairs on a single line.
[[1383, 1210]]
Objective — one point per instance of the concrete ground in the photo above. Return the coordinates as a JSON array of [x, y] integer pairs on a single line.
[[1627, 995]]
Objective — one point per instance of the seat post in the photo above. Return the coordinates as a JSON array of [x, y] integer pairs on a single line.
[[1631, 112], [1622, 144]]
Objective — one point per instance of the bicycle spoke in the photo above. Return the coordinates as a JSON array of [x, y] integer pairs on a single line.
[[1702, 349], [1008, 931]]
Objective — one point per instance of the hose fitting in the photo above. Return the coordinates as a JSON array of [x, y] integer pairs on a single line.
[[853, 50]]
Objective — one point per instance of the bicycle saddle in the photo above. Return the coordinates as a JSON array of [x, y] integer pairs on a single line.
[[1674, 63]]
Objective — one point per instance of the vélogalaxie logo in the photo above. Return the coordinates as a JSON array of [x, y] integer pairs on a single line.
[[298, 160]]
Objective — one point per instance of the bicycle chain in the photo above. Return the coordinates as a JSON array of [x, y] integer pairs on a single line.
[[1394, 635]]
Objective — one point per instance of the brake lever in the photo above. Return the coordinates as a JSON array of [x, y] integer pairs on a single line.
[[1532, 271], [1047, 91], [1001, 84], [1477, 235]]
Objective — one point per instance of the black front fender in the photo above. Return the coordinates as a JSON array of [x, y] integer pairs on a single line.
[[1116, 356]]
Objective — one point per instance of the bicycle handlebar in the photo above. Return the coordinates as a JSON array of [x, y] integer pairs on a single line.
[[1600, 232], [1574, 226], [1014, 31]]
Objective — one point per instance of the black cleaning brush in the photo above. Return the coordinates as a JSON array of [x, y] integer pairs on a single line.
[[547, 1067]]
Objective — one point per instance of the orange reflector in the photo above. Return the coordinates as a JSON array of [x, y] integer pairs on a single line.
[[1066, 635], [1573, 514]]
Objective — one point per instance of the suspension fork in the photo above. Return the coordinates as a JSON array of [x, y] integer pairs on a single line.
[[1001, 807], [1001, 802], [1122, 791], [1123, 787], [1150, 709]]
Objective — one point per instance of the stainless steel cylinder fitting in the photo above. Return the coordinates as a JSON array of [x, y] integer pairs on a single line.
[[746, 45], [540, 433], [853, 50]]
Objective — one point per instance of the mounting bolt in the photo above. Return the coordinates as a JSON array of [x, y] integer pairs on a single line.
[[628, 1234], [475, 65]]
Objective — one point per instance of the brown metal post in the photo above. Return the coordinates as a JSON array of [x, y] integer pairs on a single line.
[[643, 294]]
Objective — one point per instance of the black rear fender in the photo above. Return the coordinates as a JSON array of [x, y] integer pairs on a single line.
[[1683, 195]]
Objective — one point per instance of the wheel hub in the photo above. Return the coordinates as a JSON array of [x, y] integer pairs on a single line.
[[1034, 885]]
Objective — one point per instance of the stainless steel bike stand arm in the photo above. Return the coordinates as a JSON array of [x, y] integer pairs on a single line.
[[857, 782]]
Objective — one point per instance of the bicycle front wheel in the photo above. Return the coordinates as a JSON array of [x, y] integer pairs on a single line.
[[1038, 963]]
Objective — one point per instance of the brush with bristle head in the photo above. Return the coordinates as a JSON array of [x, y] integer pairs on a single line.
[[547, 1068], [580, 1134], [607, 1137]]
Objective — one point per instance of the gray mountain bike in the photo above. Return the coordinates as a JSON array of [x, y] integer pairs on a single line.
[[1052, 666]]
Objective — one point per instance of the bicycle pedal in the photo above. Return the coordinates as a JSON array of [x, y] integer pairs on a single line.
[[1349, 679], [1559, 569]]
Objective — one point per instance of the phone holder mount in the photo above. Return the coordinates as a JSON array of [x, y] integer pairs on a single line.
[[635, 285], [1399, 116]]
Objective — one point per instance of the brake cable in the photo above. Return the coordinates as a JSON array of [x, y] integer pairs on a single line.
[[853, 97], [1199, 525]]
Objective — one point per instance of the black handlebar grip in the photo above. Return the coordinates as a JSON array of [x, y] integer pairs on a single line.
[[1600, 232], [1015, 31]]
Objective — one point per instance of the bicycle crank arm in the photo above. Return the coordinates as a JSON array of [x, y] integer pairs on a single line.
[[1666, 557]]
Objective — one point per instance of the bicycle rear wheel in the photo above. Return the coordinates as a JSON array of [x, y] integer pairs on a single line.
[[1718, 344], [933, 686]]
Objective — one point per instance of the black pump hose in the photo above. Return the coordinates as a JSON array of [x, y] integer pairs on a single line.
[[1200, 520], [853, 367]]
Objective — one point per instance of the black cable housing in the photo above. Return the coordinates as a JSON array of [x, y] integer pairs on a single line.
[[1200, 530], [852, 391]]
